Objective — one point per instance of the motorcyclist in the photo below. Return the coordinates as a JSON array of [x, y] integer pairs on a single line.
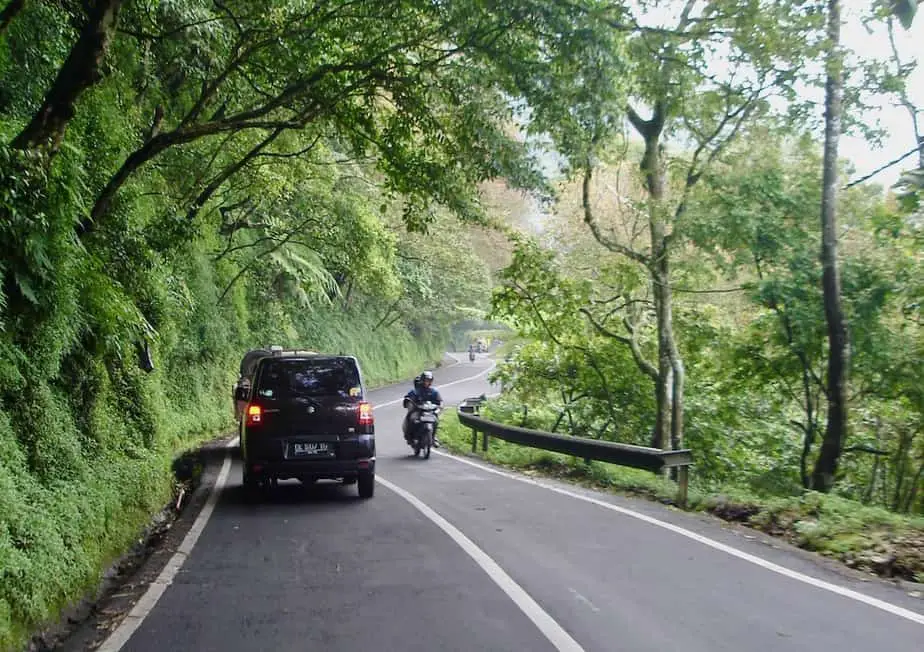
[[471, 352], [423, 391]]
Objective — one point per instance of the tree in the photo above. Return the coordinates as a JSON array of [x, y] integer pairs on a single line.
[[688, 103], [567, 364], [825, 472], [752, 215]]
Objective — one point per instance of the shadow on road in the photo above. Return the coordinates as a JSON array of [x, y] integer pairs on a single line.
[[406, 458], [289, 493]]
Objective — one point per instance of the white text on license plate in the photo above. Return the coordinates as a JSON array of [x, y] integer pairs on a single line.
[[310, 448]]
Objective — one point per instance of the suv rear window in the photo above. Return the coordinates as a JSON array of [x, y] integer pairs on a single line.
[[281, 378]]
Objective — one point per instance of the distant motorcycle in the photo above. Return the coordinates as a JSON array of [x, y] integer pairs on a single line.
[[422, 427], [471, 356]]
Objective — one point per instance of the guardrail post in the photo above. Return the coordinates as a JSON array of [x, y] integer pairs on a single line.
[[683, 481], [474, 440], [484, 441]]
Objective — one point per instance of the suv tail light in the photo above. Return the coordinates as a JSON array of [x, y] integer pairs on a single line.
[[365, 414], [253, 415]]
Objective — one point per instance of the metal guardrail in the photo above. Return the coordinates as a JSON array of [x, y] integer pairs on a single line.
[[637, 457]]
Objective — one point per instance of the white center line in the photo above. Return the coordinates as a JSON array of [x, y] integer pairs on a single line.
[[455, 382], [547, 625]]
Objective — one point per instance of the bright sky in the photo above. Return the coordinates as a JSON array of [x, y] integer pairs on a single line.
[[895, 119]]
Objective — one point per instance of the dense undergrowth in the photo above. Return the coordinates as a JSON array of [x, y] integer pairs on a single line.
[[85, 457], [862, 537], [149, 213], [199, 178]]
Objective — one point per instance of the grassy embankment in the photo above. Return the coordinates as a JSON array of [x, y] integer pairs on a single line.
[[84, 467]]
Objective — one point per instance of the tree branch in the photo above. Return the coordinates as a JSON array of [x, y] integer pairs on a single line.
[[387, 314], [81, 70], [591, 221], [228, 172], [882, 168], [296, 154], [250, 263], [640, 124], [646, 367], [865, 448], [286, 236]]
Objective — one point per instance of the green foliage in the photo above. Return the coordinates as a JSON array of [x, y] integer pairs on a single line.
[[904, 10], [589, 382], [754, 357], [230, 179], [85, 453], [225, 179]]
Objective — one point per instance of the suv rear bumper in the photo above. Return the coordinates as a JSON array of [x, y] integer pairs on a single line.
[[310, 469]]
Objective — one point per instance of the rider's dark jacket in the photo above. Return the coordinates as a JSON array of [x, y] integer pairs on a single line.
[[423, 394]]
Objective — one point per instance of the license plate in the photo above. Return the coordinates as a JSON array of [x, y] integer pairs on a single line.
[[428, 418], [311, 448]]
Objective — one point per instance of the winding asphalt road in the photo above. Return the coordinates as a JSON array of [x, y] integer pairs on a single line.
[[454, 555]]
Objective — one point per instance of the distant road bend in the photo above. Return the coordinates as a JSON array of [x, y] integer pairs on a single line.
[[452, 554]]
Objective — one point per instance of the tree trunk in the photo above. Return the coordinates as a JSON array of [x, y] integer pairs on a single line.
[[902, 464], [663, 391], [811, 429], [9, 12], [825, 471], [668, 430], [913, 492], [80, 71], [666, 388], [868, 494], [679, 377], [664, 385]]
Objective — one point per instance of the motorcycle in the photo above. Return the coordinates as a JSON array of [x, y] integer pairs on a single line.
[[471, 356], [422, 427]]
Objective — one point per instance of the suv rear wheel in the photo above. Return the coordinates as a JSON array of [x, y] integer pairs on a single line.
[[366, 483]]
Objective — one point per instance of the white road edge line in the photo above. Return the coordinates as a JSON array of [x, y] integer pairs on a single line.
[[552, 630], [734, 552], [455, 382], [145, 605], [120, 636]]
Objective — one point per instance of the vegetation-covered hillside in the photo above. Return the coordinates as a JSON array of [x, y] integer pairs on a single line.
[[181, 180]]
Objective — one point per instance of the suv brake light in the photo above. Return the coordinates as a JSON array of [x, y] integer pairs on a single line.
[[365, 414], [254, 415]]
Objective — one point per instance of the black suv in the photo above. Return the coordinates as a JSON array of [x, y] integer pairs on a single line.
[[307, 418]]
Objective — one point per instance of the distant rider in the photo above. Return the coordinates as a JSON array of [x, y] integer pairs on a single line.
[[423, 391]]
